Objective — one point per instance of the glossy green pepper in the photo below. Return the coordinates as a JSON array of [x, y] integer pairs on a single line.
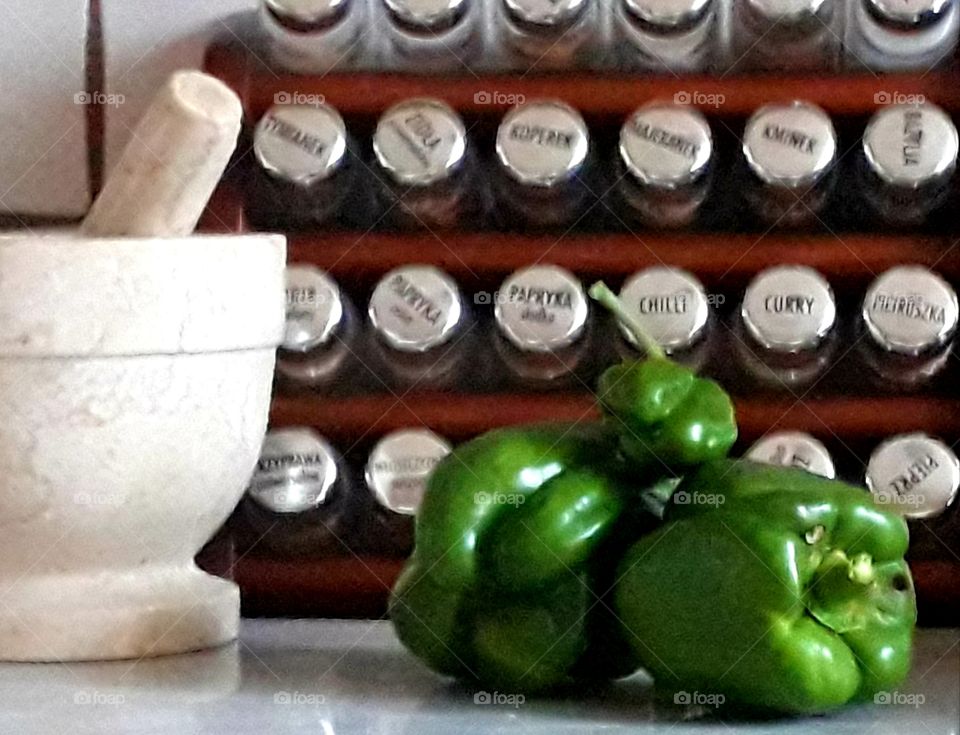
[[665, 416], [773, 587], [504, 586]]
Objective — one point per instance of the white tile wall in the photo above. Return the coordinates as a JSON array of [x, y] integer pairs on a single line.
[[43, 148], [145, 40]]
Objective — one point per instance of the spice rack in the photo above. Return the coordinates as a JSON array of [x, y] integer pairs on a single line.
[[358, 586]]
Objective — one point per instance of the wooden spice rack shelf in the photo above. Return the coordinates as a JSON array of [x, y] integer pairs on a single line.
[[358, 586]]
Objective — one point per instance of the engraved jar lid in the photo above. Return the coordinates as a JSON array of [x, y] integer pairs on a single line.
[[296, 472], [910, 310], [415, 308], [300, 144], [914, 475], [314, 308], [788, 308], [400, 465], [793, 449], [419, 142], [911, 145], [542, 143], [541, 309], [666, 146], [790, 145], [669, 303]]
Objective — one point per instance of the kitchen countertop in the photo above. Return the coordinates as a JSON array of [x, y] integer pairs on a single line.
[[335, 677]]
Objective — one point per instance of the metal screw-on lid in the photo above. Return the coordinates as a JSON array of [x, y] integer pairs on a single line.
[[314, 308], [664, 145], [789, 12], [914, 475], [788, 308], [669, 303], [541, 308], [909, 310], [400, 465], [545, 13], [420, 142], [793, 449], [296, 471], [301, 144], [415, 308], [307, 12], [908, 14], [427, 14], [542, 143], [911, 145], [790, 145], [668, 15]]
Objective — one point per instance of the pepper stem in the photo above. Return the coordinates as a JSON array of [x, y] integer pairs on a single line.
[[602, 294]]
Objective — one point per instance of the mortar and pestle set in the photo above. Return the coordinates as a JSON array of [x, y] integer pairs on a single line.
[[136, 363]]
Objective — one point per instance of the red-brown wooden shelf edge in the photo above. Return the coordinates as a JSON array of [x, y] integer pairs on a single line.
[[356, 418], [359, 587], [602, 95]]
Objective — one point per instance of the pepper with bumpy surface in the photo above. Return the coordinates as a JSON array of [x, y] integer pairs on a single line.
[[503, 585], [776, 588], [664, 414]]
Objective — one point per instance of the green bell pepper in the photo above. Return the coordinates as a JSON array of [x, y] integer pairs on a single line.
[[773, 587], [502, 586], [665, 416]]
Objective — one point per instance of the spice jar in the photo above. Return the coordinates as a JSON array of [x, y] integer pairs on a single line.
[[315, 36], [790, 151], [542, 149], [305, 173], [545, 35], [299, 500], [672, 36], [786, 35], [420, 325], [914, 475], [422, 161], [901, 35], [909, 314], [665, 155], [396, 474], [909, 156], [433, 36], [541, 314]]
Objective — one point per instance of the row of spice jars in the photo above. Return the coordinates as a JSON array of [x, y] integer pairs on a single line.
[[423, 172], [306, 500], [422, 332], [722, 36]]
